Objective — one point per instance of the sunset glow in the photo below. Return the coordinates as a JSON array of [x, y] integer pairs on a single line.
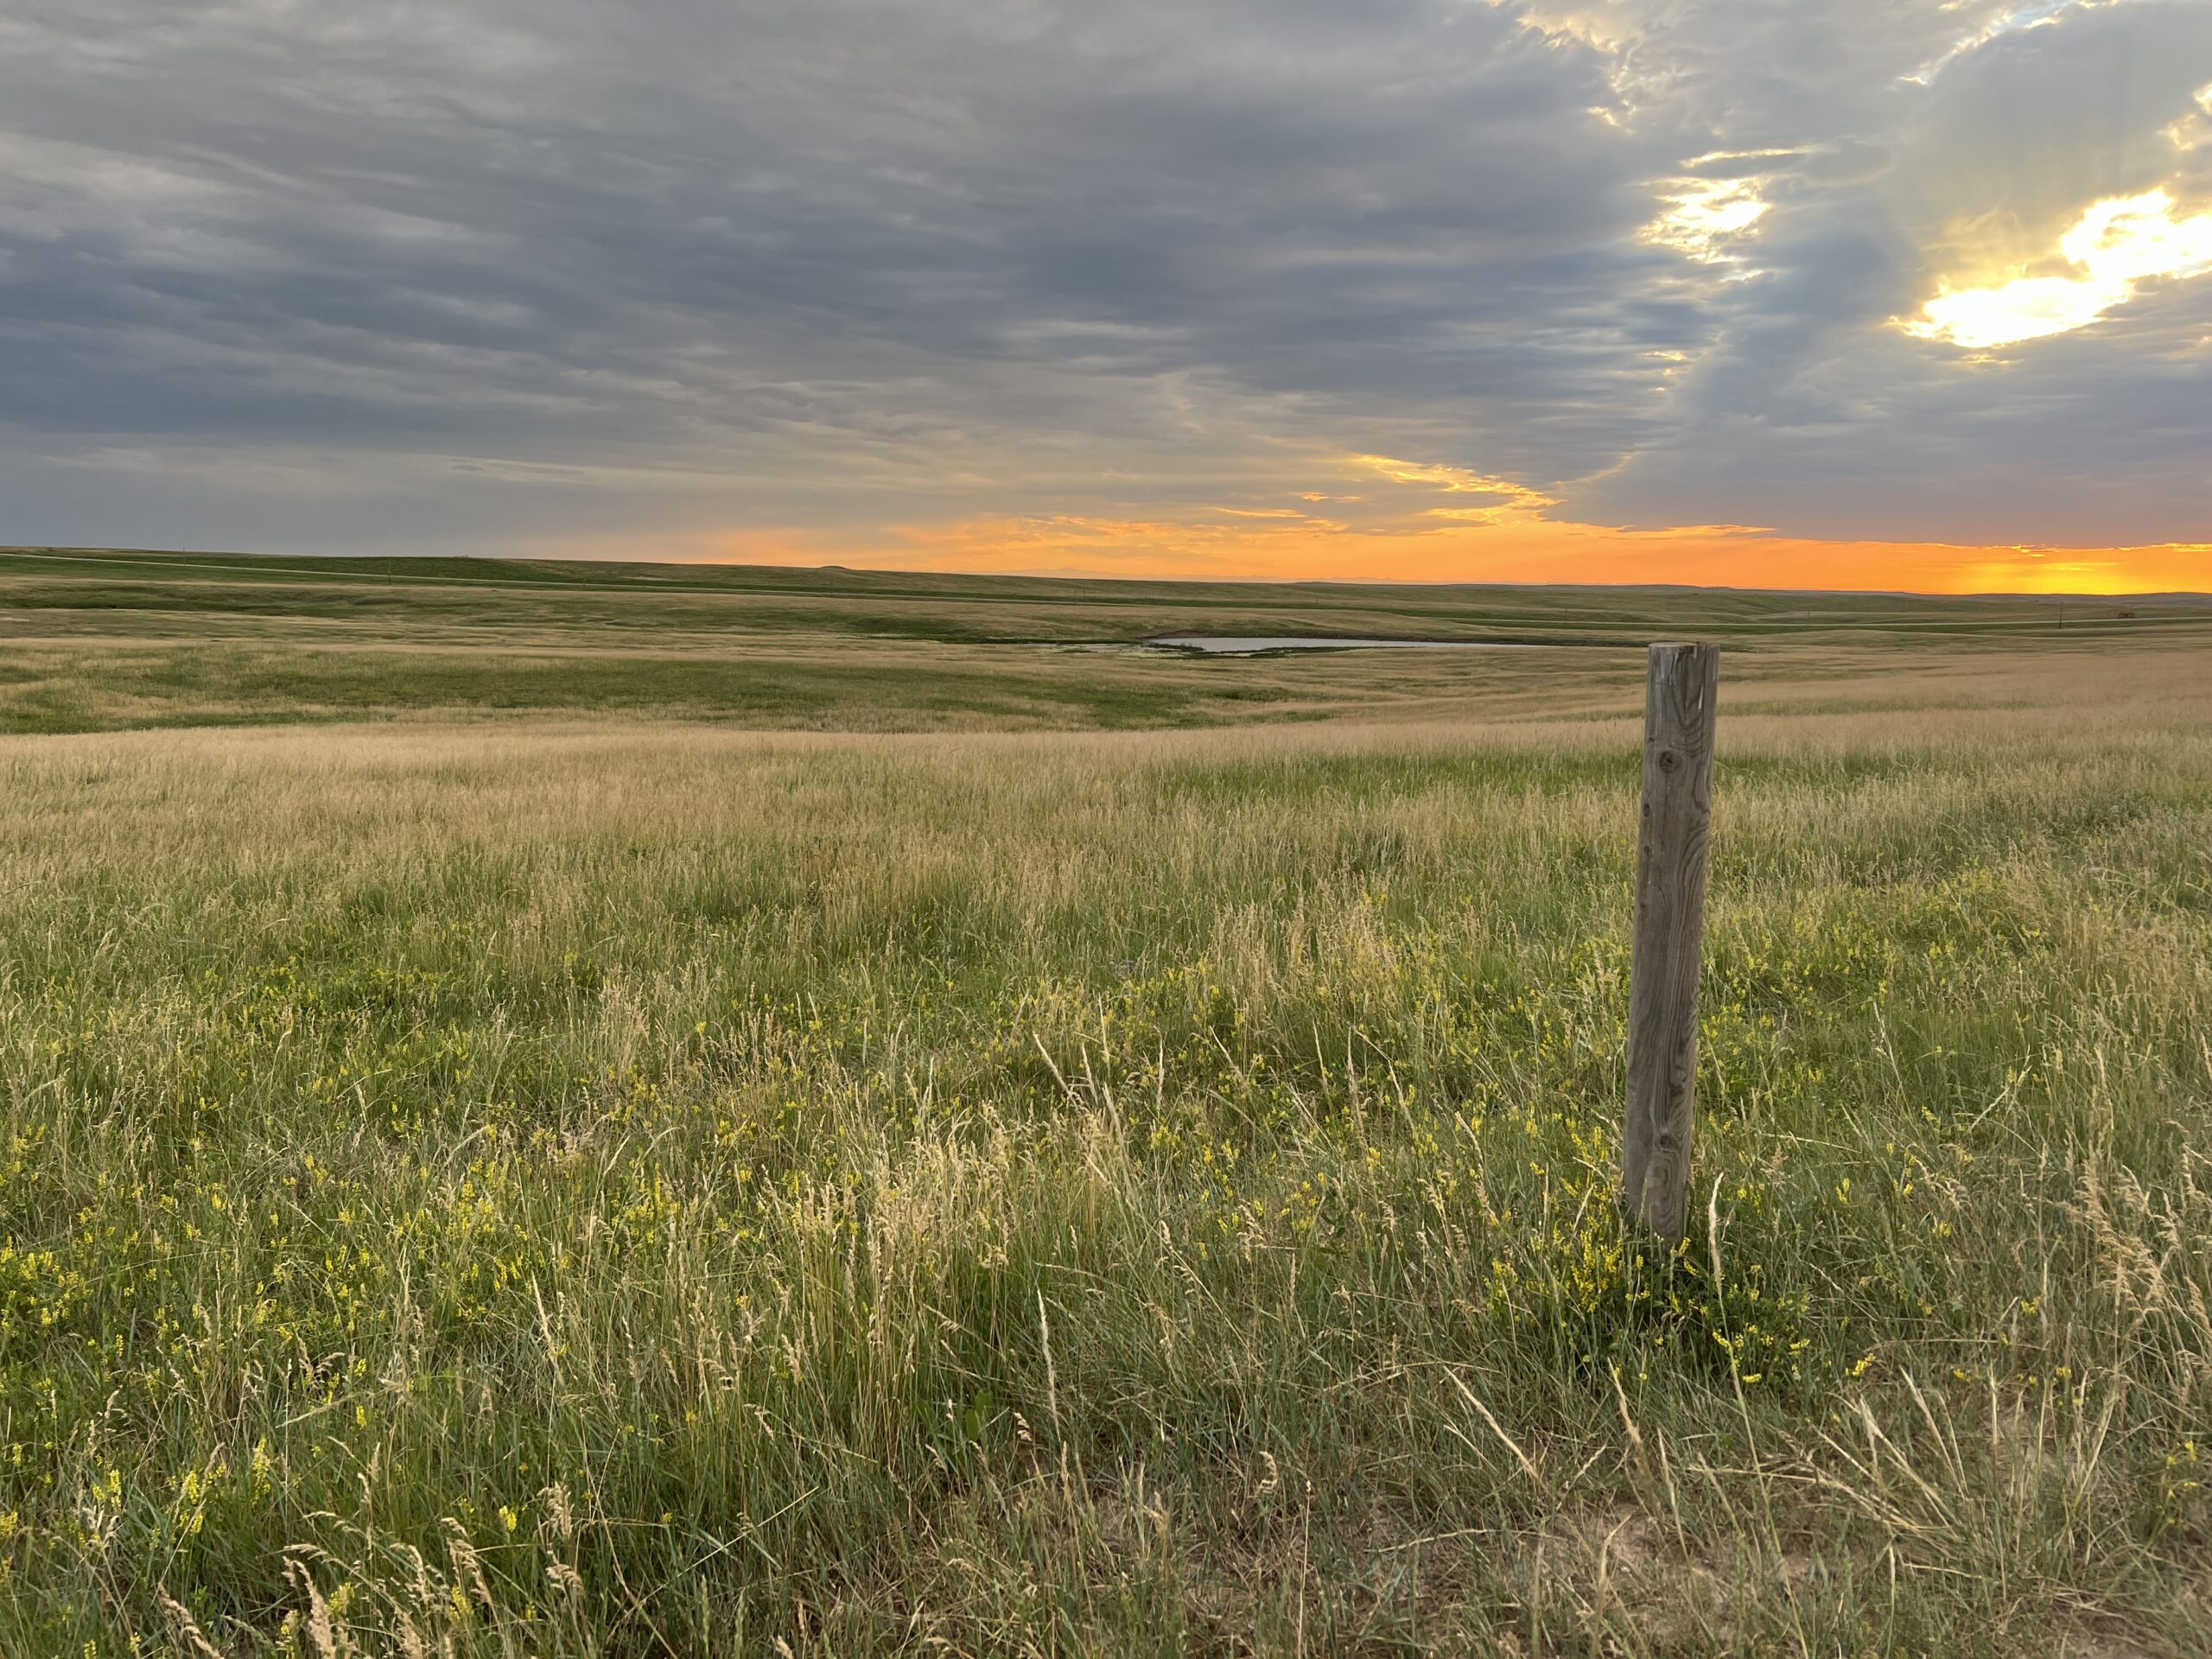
[[1410, 529], [1714, 556]]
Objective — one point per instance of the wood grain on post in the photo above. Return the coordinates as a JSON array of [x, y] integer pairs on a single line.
[[1671, 855]]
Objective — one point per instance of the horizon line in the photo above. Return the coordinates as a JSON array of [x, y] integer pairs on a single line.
[[835, 567]]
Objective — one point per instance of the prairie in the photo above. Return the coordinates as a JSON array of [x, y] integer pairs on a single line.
[[573, 1175]]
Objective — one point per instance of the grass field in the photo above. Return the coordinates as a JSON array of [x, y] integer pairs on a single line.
[[91, 642], [505, 1154]]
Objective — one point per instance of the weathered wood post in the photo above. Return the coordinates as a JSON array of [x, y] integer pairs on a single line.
[[1680, 705]]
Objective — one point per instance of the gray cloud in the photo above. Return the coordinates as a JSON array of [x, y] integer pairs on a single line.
[[496, 275], [1811, 413]]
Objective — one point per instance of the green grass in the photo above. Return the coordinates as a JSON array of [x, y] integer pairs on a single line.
[[546, 1171], [97, 641]]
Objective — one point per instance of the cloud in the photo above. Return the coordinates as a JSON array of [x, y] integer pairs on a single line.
[[1815, 411], [2117, 245], [579, 276]]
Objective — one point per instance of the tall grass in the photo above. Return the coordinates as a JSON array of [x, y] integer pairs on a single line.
[[642, 1190]]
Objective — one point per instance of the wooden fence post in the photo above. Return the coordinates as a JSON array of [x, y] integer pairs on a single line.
[[1670, 878]]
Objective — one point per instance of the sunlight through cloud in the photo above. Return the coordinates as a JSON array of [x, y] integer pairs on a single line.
[[2114, 245], [2041, 14], [1705, 215]]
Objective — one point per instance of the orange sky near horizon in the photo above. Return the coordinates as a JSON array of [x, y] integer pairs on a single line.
[[1699, 558], [1688, 558], [1720, 556], [1389, 520]]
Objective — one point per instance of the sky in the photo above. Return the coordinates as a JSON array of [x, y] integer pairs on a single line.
[[1890, 293]]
